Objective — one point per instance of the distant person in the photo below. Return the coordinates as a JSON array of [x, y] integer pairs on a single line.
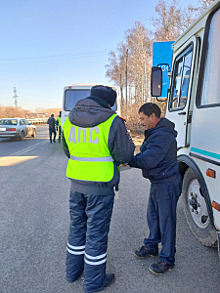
[[52, 127], [59, 126], [158, 161], [96, 142]]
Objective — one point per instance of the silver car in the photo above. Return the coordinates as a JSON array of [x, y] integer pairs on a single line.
[[16, 128]]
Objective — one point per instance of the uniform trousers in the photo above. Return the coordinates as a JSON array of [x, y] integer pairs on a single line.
[[90, 217], [161, 218]]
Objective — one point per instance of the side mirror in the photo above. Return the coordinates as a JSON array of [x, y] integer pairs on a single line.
[[156, 81]]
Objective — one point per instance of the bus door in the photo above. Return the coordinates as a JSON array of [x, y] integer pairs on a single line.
[[180, 91]]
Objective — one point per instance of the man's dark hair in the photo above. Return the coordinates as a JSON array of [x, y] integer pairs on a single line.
[[52, 115], [150, 108]]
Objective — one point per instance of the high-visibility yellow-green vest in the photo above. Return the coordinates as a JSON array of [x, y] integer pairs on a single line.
[[59, 120], [90, 158]]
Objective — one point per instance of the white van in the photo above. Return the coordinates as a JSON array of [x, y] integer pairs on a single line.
[[72, 94], [193, 104]]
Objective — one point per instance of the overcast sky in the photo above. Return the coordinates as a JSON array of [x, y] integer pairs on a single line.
[[48, 44]]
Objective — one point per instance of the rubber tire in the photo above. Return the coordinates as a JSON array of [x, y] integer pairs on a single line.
[[21, 137], [207, 235], [34, 133]]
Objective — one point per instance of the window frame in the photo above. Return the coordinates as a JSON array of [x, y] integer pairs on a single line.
[[177, 58]]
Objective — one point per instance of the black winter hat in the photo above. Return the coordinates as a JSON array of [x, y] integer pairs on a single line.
[[105, 93]]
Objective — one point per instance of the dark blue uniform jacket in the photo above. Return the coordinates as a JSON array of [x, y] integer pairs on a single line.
[[158, 153]]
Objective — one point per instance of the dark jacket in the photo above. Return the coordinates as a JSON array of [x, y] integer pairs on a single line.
[[52, 122], [158, 156], [91, 112]]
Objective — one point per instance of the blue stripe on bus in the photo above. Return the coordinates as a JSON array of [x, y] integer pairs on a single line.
[[206, 153]]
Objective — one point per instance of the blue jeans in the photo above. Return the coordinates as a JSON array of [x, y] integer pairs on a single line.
[[161, 218]]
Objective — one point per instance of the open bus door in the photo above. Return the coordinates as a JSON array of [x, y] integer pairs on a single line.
[[178, 104]]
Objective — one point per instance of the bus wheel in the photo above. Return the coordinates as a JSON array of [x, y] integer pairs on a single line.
[[196, 210]]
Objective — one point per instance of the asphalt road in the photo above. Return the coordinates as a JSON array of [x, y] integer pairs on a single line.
[[34, 224]]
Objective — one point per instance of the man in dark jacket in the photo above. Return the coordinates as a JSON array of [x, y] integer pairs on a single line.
[[52, 127], [96, 141], [158, 161]]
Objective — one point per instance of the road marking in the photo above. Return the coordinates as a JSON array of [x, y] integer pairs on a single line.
[[18, 153], [29, 148]]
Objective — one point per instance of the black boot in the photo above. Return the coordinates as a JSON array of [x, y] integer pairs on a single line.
[[161, 267], [145, 252]]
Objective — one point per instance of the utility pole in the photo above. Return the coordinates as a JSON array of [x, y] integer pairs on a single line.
[[15, 97]]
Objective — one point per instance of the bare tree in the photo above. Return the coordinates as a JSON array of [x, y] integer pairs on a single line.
[[116, 68], [11, 112], [168, 24], [130, 68], [139, 42], [203, 5], [191, 13]]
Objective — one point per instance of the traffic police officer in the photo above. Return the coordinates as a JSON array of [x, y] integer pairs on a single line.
[[59, 126], [96, 141]]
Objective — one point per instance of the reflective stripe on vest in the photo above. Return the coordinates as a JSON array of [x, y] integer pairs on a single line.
[[90, 158], [102, 159]]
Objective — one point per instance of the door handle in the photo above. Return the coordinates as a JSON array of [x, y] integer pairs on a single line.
[[182, 113]]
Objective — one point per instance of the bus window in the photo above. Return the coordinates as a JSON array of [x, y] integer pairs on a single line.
[[181, 80], [176, 91]]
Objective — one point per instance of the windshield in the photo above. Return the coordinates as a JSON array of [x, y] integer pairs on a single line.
[[8, 122], [73, 96]]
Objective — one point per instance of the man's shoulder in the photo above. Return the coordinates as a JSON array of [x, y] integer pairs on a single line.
[[119, 119]]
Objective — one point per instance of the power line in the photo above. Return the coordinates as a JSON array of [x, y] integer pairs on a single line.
[[54, 57]]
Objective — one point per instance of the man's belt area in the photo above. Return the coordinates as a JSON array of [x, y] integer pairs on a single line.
[[163, 180]]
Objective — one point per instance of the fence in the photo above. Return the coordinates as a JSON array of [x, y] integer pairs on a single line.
[[37, 120]]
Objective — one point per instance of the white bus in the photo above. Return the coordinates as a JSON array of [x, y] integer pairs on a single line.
[[72, 94], [193, 104]]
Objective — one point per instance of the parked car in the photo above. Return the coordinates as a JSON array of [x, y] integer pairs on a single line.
[[16, 128]]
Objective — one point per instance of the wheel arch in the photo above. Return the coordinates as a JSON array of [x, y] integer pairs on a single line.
[[186, 162]]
